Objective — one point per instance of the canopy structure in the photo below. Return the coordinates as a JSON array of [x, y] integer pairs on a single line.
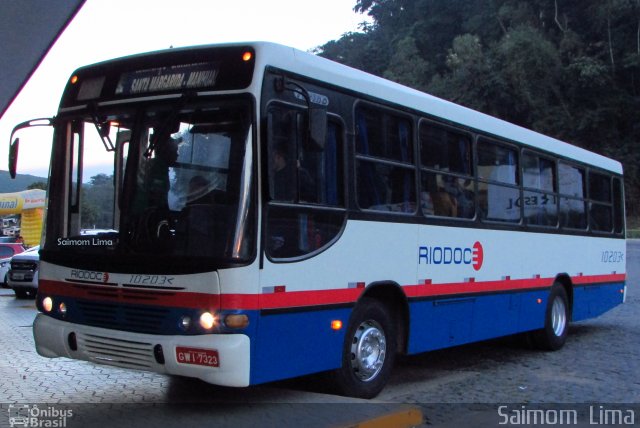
[[28, 29], [30, 205]]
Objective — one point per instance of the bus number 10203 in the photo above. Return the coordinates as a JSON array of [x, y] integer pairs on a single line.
[[151, 280], [612, 257]]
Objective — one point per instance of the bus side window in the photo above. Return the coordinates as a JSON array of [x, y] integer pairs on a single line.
[[385, 171], [283, 141], [305, 186], [601, 203], [618, 206], [539, 178], [448, 186], [573, 213], [498, 181]]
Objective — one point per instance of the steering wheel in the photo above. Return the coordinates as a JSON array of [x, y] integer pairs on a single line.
[[155, 230]]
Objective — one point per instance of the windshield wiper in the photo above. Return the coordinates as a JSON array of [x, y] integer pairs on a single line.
[[103, 129]]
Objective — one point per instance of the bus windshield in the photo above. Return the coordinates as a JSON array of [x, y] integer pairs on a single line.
[[177, 185]]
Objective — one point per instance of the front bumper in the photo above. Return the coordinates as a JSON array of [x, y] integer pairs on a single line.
[[139, 351], [28, 280]]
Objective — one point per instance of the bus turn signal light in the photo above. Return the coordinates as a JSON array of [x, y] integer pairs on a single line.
[[247, 56], [236, 321], [336, 325]]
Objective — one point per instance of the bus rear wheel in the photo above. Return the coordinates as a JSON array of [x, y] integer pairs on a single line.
[[556, 325], [368, 351]]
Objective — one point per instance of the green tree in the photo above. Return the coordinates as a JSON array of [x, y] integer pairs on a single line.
[[407, 66], [531, 69], [469, 79], [38, 185], [97, 202]]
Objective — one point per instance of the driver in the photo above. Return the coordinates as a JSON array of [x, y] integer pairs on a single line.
[[151, 201], [157, 183]]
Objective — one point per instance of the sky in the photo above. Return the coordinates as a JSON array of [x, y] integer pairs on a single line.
[[105, 29]]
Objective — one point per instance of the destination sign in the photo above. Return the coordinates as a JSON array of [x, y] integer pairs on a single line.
[[215, 68], [169, 78]]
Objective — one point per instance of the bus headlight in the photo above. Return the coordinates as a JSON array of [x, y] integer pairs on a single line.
[[47, 304], [207, 320], [62, 308], [185, 322]]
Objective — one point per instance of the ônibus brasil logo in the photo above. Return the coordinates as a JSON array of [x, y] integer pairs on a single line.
[[440, 255]]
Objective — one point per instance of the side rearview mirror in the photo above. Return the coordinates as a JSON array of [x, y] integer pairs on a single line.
[[316, 112], [15, 144], [317, 126], [13, 157]]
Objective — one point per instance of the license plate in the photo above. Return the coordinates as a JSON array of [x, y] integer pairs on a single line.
[[199, 357], [17, 276]]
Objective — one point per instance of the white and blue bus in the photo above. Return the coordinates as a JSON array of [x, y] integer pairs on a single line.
[[264, 213]]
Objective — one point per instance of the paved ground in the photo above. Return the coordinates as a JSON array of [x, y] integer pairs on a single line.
[[596, 371]]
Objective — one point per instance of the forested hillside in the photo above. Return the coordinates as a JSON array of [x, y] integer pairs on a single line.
[[20, 183], [566, 68]]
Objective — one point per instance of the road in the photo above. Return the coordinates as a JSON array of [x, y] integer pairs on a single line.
[[596, 370]]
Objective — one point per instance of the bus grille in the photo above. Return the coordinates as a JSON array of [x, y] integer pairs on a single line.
[[124, 293], [24, 265], [141, 319], [117, 352]]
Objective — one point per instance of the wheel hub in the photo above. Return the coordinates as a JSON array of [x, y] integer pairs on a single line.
[[368, 350], [558, 317]]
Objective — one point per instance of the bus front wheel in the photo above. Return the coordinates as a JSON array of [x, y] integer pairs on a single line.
[[368, 351], [556, 325]]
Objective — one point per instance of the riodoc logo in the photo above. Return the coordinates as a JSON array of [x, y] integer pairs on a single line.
[[478, 256], [88, 275], [444, 255]]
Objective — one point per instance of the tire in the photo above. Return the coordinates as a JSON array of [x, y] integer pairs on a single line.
[[20, 293], [556, 321], [368, 352]]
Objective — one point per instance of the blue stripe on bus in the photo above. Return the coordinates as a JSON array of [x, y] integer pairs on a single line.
[[591, 301], [299, 343], [442, 323]]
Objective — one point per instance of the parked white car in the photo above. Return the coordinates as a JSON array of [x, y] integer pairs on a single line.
[[4, 271], [23, 274]]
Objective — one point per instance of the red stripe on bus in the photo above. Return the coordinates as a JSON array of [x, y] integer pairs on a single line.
[[132, 296], [595, 279], [291, 299], [433, 290]]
